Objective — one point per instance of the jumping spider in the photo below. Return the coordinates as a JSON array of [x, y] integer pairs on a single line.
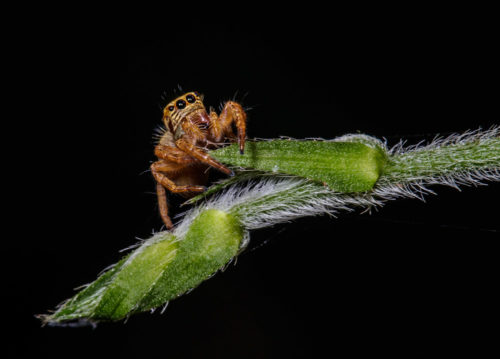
[[189, 132]]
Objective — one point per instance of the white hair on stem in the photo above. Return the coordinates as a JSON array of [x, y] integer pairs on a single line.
[[262, 200], [464, 159]]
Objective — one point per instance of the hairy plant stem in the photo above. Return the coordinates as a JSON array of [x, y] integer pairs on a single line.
[[276, 181]]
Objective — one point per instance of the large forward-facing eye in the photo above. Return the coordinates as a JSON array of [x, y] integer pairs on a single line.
[[190, 98], [180, 104]]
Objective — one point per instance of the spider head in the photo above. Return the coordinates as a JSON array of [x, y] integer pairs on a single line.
[[182, 107]]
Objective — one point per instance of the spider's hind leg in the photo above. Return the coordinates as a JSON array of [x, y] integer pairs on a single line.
[[163, 205], [160, 169]]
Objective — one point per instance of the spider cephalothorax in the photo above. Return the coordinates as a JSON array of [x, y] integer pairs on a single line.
[[190, 131], [187, 107]]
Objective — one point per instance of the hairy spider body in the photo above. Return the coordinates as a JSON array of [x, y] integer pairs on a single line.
[[189, 131]]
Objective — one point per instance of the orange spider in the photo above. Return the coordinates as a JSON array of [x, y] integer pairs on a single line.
[[189, 132]]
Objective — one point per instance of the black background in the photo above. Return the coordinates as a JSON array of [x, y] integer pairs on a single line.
[[411, 278]]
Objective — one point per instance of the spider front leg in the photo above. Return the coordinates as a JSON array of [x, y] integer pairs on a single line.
[[221, 125], [201, 156]]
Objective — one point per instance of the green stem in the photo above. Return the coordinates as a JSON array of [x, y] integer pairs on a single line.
[[277, 181], [440, 159]]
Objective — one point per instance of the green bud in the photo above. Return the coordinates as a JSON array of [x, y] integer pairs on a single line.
[[350, 166], [162, 269]]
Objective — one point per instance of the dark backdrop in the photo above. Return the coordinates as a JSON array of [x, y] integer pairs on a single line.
[[410, 278]]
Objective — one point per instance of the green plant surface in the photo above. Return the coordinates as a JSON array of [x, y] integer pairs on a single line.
[[160, 270], [212, 240], [278, 181], [344, 166], [438, 160]]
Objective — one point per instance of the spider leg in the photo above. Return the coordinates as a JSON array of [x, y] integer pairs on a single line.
[[221, 126], [163, 205], [201, 156], [159, 170], [173, 154]]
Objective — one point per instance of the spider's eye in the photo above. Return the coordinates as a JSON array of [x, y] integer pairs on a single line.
[[171, 108], [180, 104], [190, 98]]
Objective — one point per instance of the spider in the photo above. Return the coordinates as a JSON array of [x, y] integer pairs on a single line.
[[189, 131]]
